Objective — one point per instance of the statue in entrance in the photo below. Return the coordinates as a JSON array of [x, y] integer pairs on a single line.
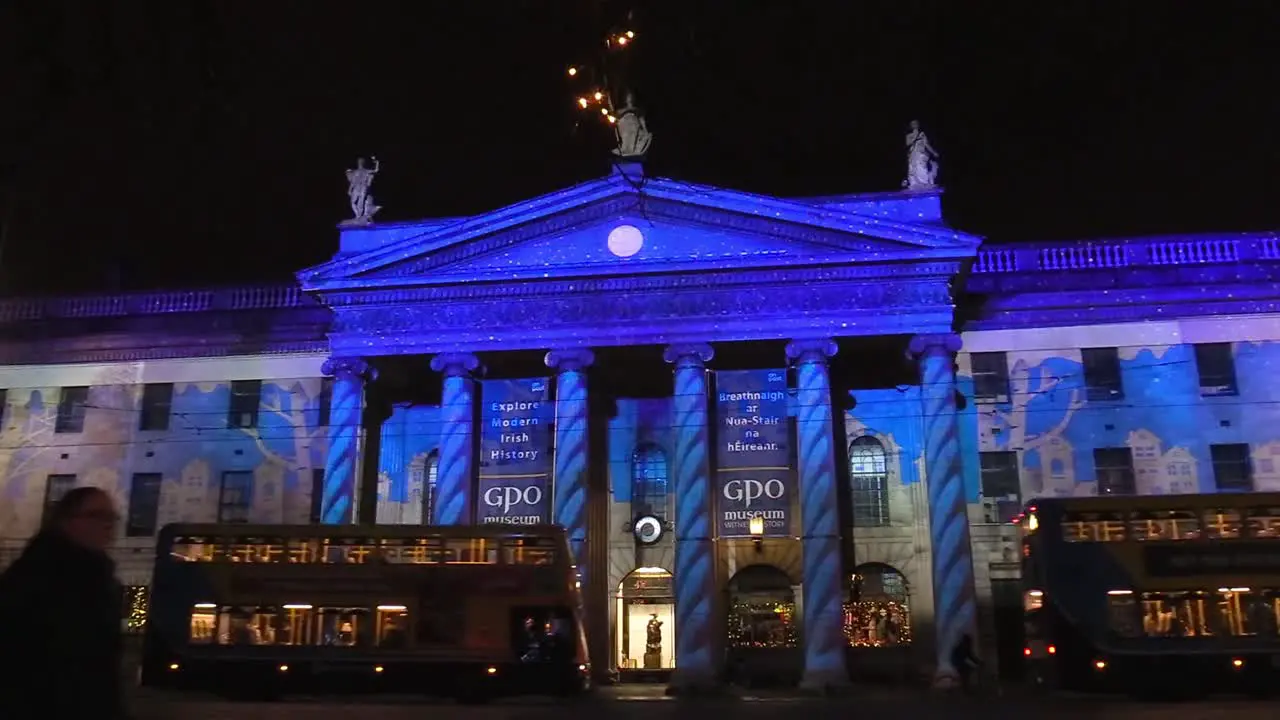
[[922, 160], [359, 181], [633, 134], [653, 643]]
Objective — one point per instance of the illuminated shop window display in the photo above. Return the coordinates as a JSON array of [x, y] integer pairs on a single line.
[[762, 609], [646, 625], [878, 614]]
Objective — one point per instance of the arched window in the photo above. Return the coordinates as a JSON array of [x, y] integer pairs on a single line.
[[429, 488], [649, 481], [868, 483], [879, 610], [422, 489]]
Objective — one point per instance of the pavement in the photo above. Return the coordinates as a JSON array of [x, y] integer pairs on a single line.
[[651, 703]]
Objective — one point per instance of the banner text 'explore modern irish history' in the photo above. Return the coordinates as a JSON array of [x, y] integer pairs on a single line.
[[515, 452]]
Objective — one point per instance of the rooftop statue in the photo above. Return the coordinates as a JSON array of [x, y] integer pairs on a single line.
[[922, 160], [633, 135], [359, 181]]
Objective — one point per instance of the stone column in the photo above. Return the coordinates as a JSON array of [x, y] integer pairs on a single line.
[[695, 553], [955, 608], [824, 640], [570, 479], [457, 438], [346, 411]]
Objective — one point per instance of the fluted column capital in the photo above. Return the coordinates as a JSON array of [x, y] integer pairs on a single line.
[[349, 368], [455, 364], [570, 360], [689, 354], [814, 350], [923, 346]]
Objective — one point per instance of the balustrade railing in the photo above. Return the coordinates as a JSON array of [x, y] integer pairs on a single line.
[[1139, 252], [266, 297]]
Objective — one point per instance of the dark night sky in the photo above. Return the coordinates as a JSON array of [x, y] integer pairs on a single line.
[[153, 143]]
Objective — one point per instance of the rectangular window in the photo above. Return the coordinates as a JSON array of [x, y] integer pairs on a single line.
[[1114, 469], [157, 403], [144, 505], [1001, 486], [1232, 470], [72, 404], [1102, 373], [1216, 367], [326, 402], [246, 396], [4, 406], [990, 376], [236, 498], [317, 495], [54, 488]]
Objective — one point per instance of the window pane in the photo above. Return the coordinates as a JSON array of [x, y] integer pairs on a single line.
[[868, 483], [649, 482]]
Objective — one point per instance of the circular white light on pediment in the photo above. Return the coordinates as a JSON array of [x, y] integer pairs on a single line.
[[625, 240]]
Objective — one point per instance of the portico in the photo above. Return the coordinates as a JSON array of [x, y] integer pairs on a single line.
[[628, 261]]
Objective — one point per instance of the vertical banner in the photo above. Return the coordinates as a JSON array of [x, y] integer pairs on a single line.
[[516, 419], [754, 477]]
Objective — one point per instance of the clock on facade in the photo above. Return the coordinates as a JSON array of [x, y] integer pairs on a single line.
[[647, 529]]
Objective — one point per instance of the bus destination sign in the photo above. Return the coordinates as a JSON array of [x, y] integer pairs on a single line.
[[1226, 558]]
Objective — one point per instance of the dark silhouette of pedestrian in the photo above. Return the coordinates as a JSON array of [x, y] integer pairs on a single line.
[[60, 617], [965, 662]]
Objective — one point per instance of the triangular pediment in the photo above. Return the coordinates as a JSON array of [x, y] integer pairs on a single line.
[[617, 225]]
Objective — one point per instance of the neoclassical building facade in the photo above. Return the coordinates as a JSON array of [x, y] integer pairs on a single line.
[[784, 435]]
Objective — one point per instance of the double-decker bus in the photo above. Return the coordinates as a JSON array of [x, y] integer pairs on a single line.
[[1173, 593], [472, 612]]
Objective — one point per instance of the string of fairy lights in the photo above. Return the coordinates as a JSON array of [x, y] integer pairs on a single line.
[[592, 82]]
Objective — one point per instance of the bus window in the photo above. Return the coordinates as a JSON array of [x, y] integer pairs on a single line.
[[1165, 525], [1093, 527], [348, 550], [1222, 524], [241, 625], [542, 634], [298, 624], [1122, 614], [1263, 611], [392, 626], [471, 551], [204, 623], [303, 550], [342, 627], [1234, 608], [1180, 614], [1264, 522], [412, 551], [193, 549], [528, 552]]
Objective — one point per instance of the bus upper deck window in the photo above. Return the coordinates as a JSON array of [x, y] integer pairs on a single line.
[[1093, 527], [1222, 524], [192, 549], [471, 551], [528, 551], [1165, 525], [303, 550]]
